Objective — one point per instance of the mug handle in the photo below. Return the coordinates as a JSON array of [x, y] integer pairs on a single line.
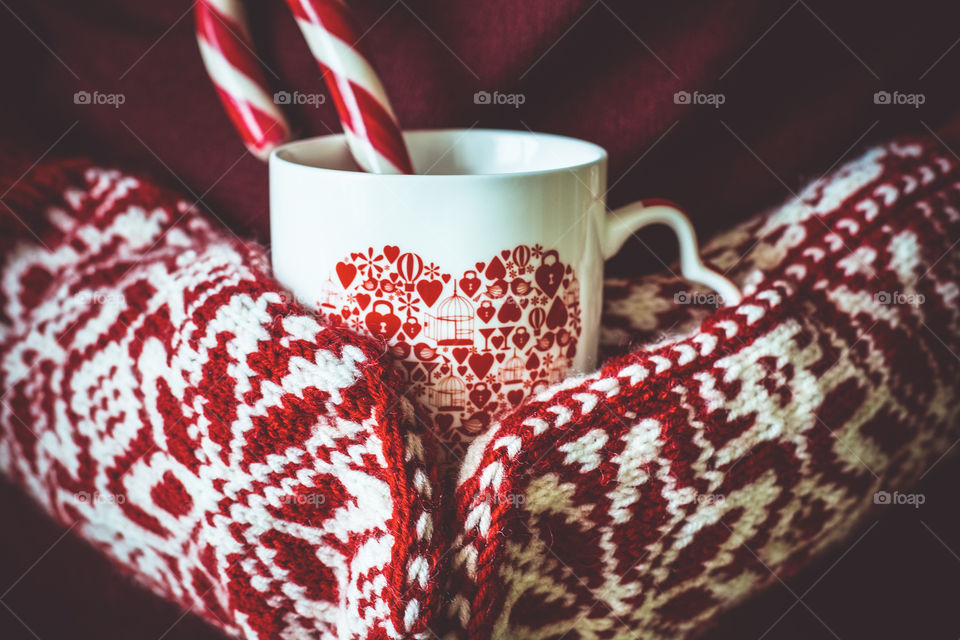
[[625, 221]]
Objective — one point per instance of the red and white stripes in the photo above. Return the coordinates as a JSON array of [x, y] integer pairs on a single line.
[[227, 53], [368, 120]]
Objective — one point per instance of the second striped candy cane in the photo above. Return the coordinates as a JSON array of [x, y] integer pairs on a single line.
[[369, 123], [228, 55]]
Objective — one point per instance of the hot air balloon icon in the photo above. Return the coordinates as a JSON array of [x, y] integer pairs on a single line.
[[537, 317], [409, 266]]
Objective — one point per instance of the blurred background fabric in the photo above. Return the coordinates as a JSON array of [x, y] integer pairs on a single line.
[[803, 85]]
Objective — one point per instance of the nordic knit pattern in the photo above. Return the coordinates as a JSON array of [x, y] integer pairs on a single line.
[[639, 500], [164, 400]]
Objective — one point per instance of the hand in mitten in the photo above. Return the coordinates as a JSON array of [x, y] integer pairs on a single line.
[[734, 443], [164, 400]]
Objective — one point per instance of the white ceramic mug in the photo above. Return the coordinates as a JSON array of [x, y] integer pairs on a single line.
[[484, 272]]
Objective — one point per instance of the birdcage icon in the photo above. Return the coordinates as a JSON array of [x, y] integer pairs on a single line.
[[512, 370], [450, 394], [453, 324]]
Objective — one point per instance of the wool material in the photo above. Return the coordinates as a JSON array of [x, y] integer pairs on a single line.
[[165, 399]]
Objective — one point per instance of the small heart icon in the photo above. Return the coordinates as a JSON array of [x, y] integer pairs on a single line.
[[549, 274], [460, 354], [470, 283], [506, 254], [557, 316], [462, 370], [495, 270], [500, 357], [346, 272], [429, 291], [480, 396], [384, 325], [533, 362], [391, 252], [486, 311], [497, 341], [363, 300], [411, 327], [515, 396], [445, 277], [521, 337], [509, 311], [480, 266], [496, 386], [444, 421], [480, 363]]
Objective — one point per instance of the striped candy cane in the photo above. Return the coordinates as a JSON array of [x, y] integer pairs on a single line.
[[368, 120], [228, 55]]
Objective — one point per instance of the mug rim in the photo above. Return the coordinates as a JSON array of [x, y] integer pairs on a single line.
[[282, 155]]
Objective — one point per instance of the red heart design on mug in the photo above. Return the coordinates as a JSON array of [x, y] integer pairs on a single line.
[[521, 337], [495, 270], [411, 327], [346, 273], [444, 421], [384, 325], [509, 311], [480, 363], [549, 276], [486, 311], [557, 316], [470, 283], [391, 252], [429, 291], [480, 396], [480, 329]]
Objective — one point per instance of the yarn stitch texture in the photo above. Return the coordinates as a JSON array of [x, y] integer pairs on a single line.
[[645, 497], [164, 399]]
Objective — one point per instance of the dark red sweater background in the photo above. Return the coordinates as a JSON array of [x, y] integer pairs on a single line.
[[798, 79]]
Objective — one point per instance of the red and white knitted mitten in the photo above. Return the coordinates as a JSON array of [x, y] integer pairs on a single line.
[[165, 401], [643, 498]]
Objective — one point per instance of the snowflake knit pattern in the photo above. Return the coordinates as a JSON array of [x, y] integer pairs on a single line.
[[641, 499], [164, 399]]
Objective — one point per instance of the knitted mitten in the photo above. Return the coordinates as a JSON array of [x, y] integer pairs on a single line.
[[163, 399], [639, 500]]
